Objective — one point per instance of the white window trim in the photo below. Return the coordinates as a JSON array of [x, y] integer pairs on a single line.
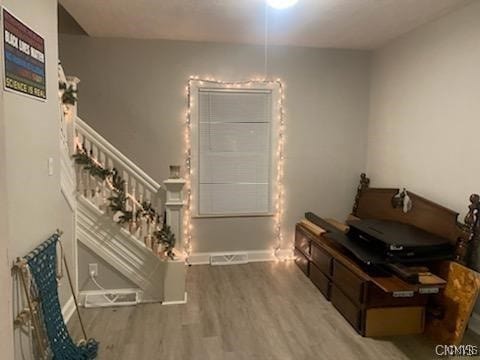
[[253, 86]]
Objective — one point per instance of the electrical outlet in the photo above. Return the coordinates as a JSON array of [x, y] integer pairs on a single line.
[[93, 269]]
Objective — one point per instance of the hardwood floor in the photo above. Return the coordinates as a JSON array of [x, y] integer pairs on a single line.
[[255, 311]]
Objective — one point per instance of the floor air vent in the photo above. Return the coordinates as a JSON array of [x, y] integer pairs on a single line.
[[107, 298], [229, 259]]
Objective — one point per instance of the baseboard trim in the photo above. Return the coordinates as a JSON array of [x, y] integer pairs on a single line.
[[177, 302], [199, 259], [474, 323], [253, 256], [68, 309]]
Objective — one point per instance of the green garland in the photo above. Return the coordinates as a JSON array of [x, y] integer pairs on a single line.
[[167, 238], [118, 199], [69, 96]]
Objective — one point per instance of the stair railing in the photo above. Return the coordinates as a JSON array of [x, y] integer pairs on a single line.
[[139, 187]]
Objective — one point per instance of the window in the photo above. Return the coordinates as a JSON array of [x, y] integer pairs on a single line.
[[233, 142]]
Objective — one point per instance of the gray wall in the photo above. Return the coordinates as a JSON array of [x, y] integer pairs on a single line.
[[424, 121], [133, 93], [67, 24], [108, 277], [29, 135]]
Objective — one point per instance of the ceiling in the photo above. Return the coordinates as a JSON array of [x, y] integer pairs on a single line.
[[354, 24]]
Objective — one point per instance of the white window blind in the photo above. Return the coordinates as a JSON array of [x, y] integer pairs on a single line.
[[235, 152]]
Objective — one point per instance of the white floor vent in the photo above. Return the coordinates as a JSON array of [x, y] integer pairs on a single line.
[[229, 259], [107, 298]]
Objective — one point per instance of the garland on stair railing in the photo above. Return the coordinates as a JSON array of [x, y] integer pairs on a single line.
[[69, 95], [167, 238], [118, 200]]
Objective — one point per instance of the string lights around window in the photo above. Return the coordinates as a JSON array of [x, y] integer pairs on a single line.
[[280, 192]]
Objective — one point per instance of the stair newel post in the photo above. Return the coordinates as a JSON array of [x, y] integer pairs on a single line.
[[71, 115], [173, 207]]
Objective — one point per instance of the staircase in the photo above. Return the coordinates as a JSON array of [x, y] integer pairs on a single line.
[[127, 244]]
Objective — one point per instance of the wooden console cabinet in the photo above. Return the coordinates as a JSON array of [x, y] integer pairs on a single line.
[[373, 305], [376, 305]]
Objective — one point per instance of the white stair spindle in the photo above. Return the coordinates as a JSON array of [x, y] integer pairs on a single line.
[[103, 187], [95, 180], [86, 173]]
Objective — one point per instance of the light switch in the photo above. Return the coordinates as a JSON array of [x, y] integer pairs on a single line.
[[50, 166]]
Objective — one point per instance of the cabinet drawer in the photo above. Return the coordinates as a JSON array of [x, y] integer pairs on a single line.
[[301, 261], [302, 242], [401, 321], [320, 280], [321, 259], [348, 282], [346, 307]]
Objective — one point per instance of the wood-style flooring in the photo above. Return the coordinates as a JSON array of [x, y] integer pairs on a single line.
[[257, 311]]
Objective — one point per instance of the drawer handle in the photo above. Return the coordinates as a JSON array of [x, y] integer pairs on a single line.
[[403, 294]]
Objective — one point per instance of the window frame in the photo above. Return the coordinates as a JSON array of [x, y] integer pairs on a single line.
[[249, 87]]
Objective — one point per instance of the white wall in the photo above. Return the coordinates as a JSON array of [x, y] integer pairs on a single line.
[[6, 331], [133, 93], [424, 122], [35, 206]]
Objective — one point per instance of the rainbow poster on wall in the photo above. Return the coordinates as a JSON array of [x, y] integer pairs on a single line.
[[23, 58]]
